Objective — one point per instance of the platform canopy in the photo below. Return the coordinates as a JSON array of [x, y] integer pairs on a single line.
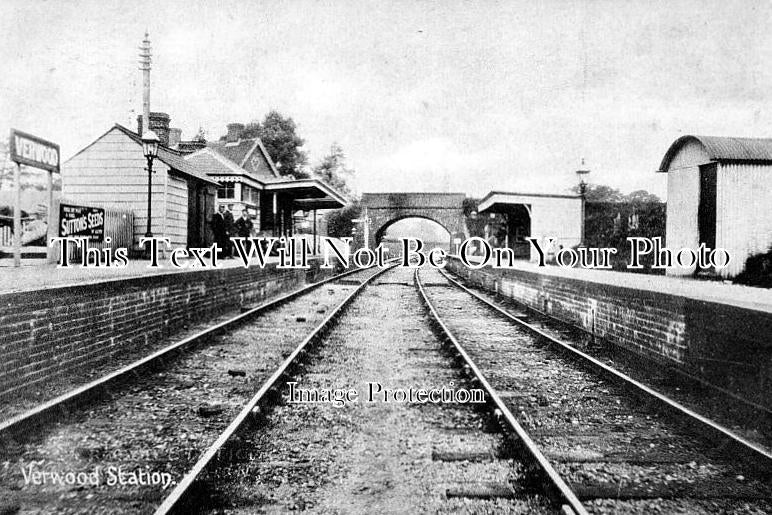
[[308, 194], [502, 201], [536, 215]]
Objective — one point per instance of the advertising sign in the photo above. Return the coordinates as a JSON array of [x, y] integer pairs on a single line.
[[82, 222]]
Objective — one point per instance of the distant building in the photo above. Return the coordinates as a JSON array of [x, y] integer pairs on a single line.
[[720, 194], [248, 179], [112, 172], [536, 215]]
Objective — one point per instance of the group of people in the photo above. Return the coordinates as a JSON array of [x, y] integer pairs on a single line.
[[224, 227]]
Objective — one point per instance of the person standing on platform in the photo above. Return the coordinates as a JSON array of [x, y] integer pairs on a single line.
[[219, 230], [243, 228], [229, 230]]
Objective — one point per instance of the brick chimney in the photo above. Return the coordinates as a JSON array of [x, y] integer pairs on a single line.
[[159, 123], [234, 132], [175, 135]]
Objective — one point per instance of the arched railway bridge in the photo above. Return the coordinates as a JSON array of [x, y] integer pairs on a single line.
[[384, 209]]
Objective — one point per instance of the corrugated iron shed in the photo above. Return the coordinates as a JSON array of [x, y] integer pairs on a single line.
[[724, 149]]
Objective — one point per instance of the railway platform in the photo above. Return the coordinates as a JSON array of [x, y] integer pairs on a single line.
[[713, 331], [62, 324], [721, 292], [209, 424], [48, 276]]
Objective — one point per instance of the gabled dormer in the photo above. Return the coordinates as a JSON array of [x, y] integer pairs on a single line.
[[246, 153]]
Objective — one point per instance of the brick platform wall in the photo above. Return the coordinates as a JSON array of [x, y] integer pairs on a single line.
[[724, 345], [51, 333]]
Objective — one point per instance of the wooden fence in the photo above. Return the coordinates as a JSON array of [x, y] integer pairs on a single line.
[[119, 227], [6, 233]]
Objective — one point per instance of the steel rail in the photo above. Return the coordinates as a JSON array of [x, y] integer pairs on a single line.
[[57, 407], [749, 448], [686, 375], [554, 483], [176, 501]]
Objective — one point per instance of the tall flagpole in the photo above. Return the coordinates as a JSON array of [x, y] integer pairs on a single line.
[[144, 65]]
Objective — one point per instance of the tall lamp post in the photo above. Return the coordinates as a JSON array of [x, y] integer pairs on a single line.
[[150, 149], [581, 172]]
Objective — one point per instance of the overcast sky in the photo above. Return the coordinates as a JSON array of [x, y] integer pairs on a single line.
[[423, 96]]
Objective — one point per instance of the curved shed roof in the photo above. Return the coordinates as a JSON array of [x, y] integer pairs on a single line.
[[753, 150]]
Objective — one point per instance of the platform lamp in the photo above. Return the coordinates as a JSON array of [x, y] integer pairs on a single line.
[[150, 150], [581, 172]]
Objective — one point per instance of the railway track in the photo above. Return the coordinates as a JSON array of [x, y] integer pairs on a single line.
[[119, 443], [215, 416], [618, 446], [744, 417], [379, 455]]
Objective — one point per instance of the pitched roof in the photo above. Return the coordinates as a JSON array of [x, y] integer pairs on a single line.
[[241, 153], [268, 158], [310, 193], [213, 164], [724, 149], [236, 152], [170, 157]]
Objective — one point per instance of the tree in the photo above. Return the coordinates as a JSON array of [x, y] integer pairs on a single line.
[[339, 222], [602, 193], [642, 197], [610, 217], [280, 138], [251, 130], [333, 170], [469, 205]]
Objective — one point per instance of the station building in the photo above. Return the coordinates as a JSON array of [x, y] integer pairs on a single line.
[[248, 179], [111, 172], [719, 192], [536, 215], [190, 180]]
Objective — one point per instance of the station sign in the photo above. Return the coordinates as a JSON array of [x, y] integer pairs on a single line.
[[30, 150], [82, 222]]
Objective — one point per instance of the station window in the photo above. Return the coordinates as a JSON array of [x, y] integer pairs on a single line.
[[227, 190], [249, 194]]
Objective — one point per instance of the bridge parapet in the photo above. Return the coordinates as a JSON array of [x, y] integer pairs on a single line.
[[413, 200]]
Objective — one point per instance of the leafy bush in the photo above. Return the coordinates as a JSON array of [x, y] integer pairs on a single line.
[[339, 224], [609, 224], [758, 270]]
